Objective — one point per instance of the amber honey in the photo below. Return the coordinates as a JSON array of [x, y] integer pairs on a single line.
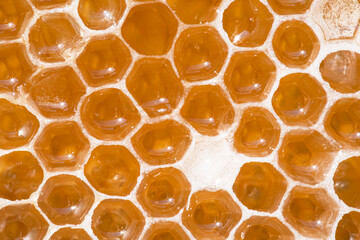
[[179, 120]]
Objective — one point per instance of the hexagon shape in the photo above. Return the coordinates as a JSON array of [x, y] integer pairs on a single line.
[[249, 76], [155, 86], [259, 186], [342, 122], [199, 53], [108, 114], [306, 156], [15, 15], [100, 14], [54, 37], [207, 109], [70, 233], [295, 44], [17, 125], [16, 67], [211, 215], [311, 211], [165, 230], [56, 91], [247, 23], [112, 169], [341, 70], [348, 227], [346, 180], [163, 192], [257, 134], [299, 99], [48, 4], [163, 142], [62, 146], [104, 60], [263, 227], [22, 221], [65, 199], [117, 218], [190, 12], [20, 175], [150, 28], [289, 7]]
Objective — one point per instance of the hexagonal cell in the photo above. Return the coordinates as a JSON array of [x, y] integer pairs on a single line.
[[20, 175], [104, 60], [198, 12], [22, 221], [155, 86], [17, 125], [295, 44], [117, 219], [163, 142], [264, 228], [48, 4], [311, 211], [53, 37], [100, 14], [165, 231], [112, 169], [163, 192], [108, 114], [15, 66], [249, 76], [56, 91], [289, 7], [299, 99], [247, 23], [259, 186], [342, 122], [199, 53], [65, 199], [306, 156], [15, 15], [208, 110], [348, 227], [69, 233], [150, 28], [346, 180], [338, 19], [62, 146], [257, 134], [211, 215], [341, 70]]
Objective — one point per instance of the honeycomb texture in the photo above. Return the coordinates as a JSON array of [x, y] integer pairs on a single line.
[[179, 119]]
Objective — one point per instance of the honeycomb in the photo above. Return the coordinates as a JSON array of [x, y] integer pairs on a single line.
[[179, 119]]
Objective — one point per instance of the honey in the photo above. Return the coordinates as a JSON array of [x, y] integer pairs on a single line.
[[150, 28], [247, 23], [104, 60], [112, 169], [117, 219], [155, 86], [200, 53], [249, 76], [100, 14], [65, 199], [162, 143], [20, 175], [207, 109], [259, 186], [163, 192], [179, 119]]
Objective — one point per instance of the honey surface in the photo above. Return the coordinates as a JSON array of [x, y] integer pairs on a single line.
[[179, 119]]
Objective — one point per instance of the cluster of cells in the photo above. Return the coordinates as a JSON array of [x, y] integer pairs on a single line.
[[50, 71]]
